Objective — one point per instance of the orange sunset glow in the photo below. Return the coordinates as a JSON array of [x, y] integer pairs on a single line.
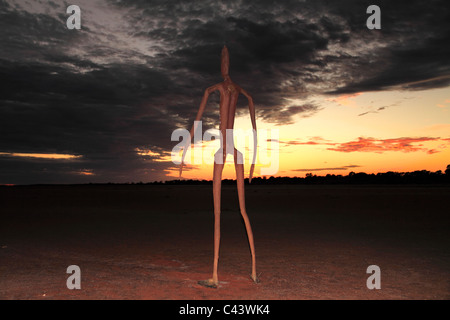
[[365, 132], [55, 156]]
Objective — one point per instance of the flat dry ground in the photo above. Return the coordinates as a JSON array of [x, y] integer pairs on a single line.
[[155, 242]]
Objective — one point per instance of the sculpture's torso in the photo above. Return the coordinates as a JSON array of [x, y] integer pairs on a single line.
[[229, 92]]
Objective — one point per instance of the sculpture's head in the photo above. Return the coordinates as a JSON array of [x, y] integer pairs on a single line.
[[225, 62]]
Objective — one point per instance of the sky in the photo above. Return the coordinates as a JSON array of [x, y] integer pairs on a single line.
[[100, 103]]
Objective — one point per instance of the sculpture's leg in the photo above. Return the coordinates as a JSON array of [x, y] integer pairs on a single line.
[[217, 185], [239, 166]]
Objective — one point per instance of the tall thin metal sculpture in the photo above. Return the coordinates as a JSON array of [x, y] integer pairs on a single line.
[[229, 92]]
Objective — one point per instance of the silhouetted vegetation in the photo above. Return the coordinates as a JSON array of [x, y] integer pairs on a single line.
[[415, 177]]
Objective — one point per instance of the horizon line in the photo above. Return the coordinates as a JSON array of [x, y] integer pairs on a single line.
[[351, 175]]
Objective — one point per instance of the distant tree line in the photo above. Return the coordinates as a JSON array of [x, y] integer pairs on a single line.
[[415, 177]]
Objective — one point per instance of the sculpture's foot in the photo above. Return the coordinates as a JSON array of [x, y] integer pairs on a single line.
[[210, 283], [255, 278]]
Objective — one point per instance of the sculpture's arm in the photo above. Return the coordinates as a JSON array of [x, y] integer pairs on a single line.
[[251, 108], [208, 91]]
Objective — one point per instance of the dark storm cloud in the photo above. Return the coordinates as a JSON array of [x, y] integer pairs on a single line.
[[421, 68], [410, 52], [137, 70]]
